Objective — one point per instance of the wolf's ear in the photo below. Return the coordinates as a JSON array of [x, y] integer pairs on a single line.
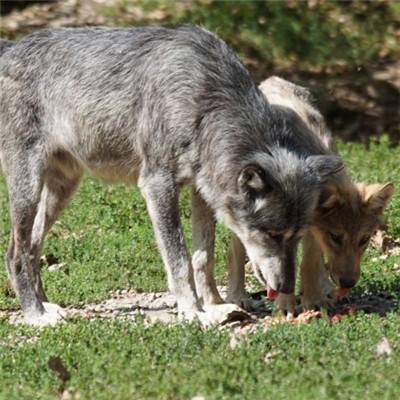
[[377, 196], [252, 179], [328, 198], [325, 165]]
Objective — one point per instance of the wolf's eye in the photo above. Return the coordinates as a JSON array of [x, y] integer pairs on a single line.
[[337, 239], [364, 240], [275, 235]]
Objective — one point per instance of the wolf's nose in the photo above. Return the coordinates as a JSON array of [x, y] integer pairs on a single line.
[[347, 283]]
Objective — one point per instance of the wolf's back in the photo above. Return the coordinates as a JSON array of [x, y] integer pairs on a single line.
[[5, 45]]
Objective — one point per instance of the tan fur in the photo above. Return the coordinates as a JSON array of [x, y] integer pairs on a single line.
[[351, 213]]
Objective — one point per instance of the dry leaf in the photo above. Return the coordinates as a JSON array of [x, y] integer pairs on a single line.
[[56, 365], [272, 354], [50, 259], [307, 316], [383, 348], [386, 243], [382, 240], [55, 267]]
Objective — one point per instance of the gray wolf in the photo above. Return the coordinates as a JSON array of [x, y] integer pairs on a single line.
[[346, 215], [160, 108]]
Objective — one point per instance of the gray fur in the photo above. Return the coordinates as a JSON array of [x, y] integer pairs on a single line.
[[160, 108], [5, 45]]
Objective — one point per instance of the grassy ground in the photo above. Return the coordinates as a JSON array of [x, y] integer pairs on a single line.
[[106, 242]]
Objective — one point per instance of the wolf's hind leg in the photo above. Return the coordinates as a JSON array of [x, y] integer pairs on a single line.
[[203, 228], [236, 275], [24, 174], [61, 179]]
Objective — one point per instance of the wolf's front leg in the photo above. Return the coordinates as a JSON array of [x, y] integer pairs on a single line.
[[288, 304], [162, 195], [203, 225], [203, 228], [316, 289]]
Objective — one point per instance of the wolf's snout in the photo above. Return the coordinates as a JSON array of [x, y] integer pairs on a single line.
[[286, 287], [347, 283]]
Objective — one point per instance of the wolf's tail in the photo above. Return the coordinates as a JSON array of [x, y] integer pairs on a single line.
[[5, 45]]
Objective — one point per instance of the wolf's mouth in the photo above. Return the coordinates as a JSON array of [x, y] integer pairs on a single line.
[[271, 293], [340, 291], [328, 268], [259, 274]]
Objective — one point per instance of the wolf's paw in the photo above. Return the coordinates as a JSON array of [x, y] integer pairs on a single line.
[[316, 299], [188, 315], [241, 300], [288, 304], [319, 295], [52, 315], [220, 314]]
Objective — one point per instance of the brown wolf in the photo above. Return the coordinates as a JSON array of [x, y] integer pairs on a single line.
[[346, 216]]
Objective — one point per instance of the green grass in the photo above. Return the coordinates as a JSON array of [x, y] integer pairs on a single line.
[[123, 360], [106, 241]]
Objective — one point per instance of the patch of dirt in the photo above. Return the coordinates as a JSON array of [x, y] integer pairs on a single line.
[[161, 307], [129, 304]]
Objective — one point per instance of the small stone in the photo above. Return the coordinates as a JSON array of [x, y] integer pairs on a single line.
[[152, 296]]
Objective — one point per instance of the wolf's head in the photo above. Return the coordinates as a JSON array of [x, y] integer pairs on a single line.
[[272, 208], [345, 218]]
